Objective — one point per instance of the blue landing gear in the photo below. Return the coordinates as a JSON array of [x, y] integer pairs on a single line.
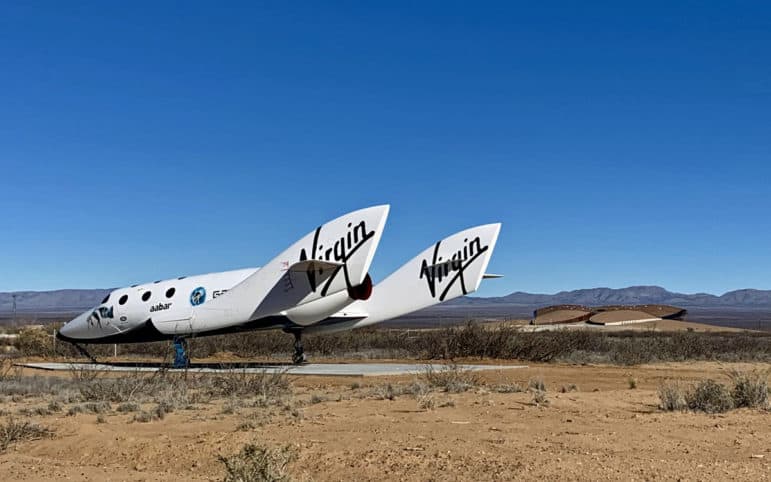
[[299, 353], [180, 353]]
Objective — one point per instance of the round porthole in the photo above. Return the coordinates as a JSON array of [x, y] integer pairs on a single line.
[[170, 292], [146, 296], [123, 299]]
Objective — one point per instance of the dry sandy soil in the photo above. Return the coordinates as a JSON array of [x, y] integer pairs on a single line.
[[602, 431]]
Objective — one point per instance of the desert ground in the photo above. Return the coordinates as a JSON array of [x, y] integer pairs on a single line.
[[596, 423]]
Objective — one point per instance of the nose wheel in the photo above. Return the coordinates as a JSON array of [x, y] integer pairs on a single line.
[[299, 353], [180, 353]]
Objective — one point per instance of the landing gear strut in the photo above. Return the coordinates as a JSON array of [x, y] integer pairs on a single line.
[[180, 353], [299, 353], [85, 352]]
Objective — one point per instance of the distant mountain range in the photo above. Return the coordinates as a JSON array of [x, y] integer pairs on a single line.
[[68, 301], [634, 295], [59, 301]]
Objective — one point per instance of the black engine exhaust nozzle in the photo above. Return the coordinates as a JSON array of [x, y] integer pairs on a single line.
[[362, 291]]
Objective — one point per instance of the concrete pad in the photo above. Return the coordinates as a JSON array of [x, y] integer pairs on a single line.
[[318, 369]]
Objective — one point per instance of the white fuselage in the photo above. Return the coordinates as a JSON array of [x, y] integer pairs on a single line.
[[174, 306], [319, 284]]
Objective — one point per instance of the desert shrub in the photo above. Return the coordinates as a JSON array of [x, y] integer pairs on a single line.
[[231, 406], [94, 387], [13, 431], [385, 392], [539, 397], [143, 417], [161, 410], [451, 378], [246, 426], [90, 407], [8, 372], [264, 384], [128, 407], [75, 409], [417, 387], [508, 388], [97, 407], [750, 389], [35, 342], [258, 463], [101, 419], [710, 396], [571, 387], [131, 387], [671, 396], [39, 411], [475, 340], [632, 382], [426, 401], [537, 383], [33, 386]]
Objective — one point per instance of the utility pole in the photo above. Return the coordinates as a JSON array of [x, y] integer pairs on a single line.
[[13, 296]]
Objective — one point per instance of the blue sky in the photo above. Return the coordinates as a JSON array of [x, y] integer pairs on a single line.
[[618, 143]]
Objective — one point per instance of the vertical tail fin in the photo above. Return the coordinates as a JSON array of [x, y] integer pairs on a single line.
[[450, 268], [334, 257]]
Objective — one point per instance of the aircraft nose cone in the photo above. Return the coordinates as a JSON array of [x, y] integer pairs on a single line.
[[74, 329]]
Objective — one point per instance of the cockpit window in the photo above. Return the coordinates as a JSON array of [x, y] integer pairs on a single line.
[[106, 298], [170, 292], [146, 296], [123, 299]]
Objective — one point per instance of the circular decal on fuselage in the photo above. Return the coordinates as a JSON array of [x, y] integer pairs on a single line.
[[198, 296]]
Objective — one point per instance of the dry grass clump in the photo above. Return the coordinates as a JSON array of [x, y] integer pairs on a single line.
[[263, 385], [14, 385], [706, 396], [128, 407], [451, 378], [750, 388], [232, 405], [539, 397], [571, 387], [246, 426], [385, 392], [508, 388], [258, 463], [143, 417], [537, 383], [671, 396], [90, 407], [426, 401], [13, 431], [158, 413], [632, 382]]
